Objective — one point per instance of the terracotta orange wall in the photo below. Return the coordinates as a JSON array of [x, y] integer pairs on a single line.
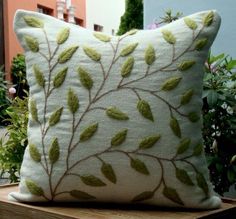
[[12, 47]]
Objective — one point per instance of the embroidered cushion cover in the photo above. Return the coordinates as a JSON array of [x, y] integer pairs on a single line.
[[116, 119]]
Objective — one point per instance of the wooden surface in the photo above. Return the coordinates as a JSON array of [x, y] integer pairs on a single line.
[[15, 210]]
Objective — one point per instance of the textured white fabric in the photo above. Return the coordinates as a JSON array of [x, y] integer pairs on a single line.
[[116, 119]]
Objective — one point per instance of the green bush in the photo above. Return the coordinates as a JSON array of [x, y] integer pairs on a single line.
[[12, 147], [18, 70], [219, 116]]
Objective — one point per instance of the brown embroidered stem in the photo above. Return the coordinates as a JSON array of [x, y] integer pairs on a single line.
[[89, 96], [48, 199], [102, 161], [185, 161], [121, 81], [55, 51], [162, 176], [103, 70], [183, 158], [55, 64], [60, 193], [71, 140], [45, 169], [96, 108], [147, 71], [173, 53], [49, 49], [43, 55], [44, 129], [112, 46], [50, 181]]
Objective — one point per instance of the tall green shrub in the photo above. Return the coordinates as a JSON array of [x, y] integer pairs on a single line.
[[133, 16]]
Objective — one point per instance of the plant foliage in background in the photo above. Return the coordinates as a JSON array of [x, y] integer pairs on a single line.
[[219, 115], [4, 100], [133, 16], [18, 70], [169, 17], [12, 147]]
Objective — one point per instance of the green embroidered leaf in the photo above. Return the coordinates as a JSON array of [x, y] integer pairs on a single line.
[[119, 138], [183, 145], [172, 194], [208, 19], [186, 97], [33, 188], [60, 77], [131, 32], [128, 49], [149, 141], [193, 117], [174, 125], [185, 65], [201, 182], [34, 110], [72, 101], [63, 35], [67, 54], [81, 195], [143, 196], [32, 43], [91, 180], [201, 43], [85, 78], [168, 36], [102, 37], [190, 23], [54, 151], [127, 67], [33, 21], [171, 83], [150, 55], [39, 76], [92, 53], [198, 149], [34, 153], [183, 177], [88, 132], [55, 117], [108, 172], [145, 109], [114, 113], [139, 166]]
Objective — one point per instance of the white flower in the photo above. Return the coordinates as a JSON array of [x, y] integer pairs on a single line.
[[230, 110], [214, 146], [12, 90], [224, 105]]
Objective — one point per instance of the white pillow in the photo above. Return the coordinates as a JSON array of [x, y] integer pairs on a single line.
[[116, 119]]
